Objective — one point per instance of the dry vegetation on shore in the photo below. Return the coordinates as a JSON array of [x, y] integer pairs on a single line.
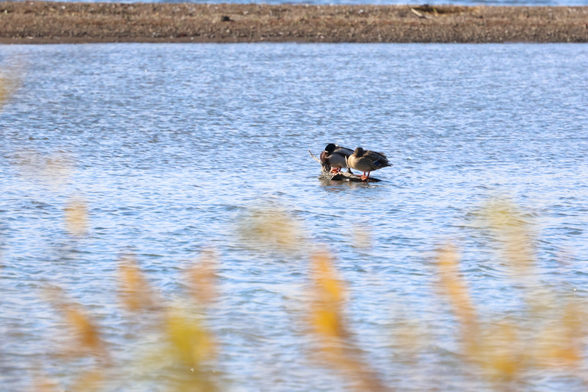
[[53, 22]]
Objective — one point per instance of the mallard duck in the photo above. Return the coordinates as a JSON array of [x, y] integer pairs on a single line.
[[334, 158], [367, 161]]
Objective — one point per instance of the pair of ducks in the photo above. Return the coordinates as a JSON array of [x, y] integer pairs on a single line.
[[336, 158]]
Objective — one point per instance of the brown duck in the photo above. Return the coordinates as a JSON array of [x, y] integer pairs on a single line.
[[367, 161]]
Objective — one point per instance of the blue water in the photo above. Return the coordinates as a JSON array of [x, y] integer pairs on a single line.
[[172, 145]]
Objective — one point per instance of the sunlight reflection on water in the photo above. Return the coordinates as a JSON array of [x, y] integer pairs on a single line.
[[170, 159]]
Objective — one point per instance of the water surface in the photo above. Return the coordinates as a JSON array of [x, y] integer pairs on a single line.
[[173, 143]]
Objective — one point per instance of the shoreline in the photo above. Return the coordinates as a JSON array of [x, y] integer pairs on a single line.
[[45, 22]]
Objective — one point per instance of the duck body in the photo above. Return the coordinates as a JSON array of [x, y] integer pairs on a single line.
[[335, 158], [367, 161]]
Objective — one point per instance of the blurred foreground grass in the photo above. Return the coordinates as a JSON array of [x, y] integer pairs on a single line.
[[179, 350]]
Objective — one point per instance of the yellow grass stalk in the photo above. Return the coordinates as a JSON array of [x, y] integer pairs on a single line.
[[458, 295], [135, 292], [76, 217], [201, 278], [89, 381], [328, 293], [4, 89], [10, 79], [514, 234], [44, 384], [87, 337], [271, 227], [501, 354], [560, 343], [191, 342], [328, 324]]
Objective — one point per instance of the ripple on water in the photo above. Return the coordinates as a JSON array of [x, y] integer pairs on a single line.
[[171, 159]]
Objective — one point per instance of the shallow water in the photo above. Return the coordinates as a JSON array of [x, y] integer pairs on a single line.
[[173, 143]]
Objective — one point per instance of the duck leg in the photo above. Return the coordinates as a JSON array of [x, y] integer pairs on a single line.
[[364, 177]]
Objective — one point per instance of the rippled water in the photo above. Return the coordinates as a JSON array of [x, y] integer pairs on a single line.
[[173, 143]]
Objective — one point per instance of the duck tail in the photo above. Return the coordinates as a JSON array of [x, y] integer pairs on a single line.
[[382, 164]]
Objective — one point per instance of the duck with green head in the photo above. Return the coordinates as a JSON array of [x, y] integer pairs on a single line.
[[334, 158]]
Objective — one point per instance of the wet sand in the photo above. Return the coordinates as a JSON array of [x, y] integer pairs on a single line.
[[53, 22]]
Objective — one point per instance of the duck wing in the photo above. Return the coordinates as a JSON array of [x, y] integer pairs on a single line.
[[343, 151], [378, 159], [363, 164]]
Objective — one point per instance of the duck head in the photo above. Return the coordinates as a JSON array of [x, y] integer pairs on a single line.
[[330, 148], [359, 152]]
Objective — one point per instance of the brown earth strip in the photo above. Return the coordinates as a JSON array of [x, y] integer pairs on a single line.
[[53, 22]]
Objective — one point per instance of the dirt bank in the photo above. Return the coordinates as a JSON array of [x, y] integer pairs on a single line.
[[53, 22]]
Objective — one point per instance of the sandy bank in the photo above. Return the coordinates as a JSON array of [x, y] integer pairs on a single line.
[[53, 22]]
